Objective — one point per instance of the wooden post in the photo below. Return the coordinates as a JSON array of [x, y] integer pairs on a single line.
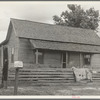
[[67, 60], [91, 59], [17, 65], [16, 81], [36, 56]]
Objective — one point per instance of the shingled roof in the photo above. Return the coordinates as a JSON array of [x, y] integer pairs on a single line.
[[41, 31], [63, 46]]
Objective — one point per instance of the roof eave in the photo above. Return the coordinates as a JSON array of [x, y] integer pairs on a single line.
[[7, 36]]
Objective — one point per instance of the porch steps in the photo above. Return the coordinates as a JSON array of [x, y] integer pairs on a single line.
[[46, 76]]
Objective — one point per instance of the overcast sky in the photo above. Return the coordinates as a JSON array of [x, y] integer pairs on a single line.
[[41, 11]]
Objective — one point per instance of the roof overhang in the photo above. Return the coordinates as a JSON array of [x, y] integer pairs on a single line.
[[62, 46]]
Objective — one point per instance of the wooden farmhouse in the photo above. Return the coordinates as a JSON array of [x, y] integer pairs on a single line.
[[41, 45]]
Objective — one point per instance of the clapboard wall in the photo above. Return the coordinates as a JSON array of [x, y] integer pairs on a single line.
[[95, 62], [13, 43], [53, 58], [25, 52]]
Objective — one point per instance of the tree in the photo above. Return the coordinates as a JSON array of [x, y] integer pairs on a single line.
[[78, 17]]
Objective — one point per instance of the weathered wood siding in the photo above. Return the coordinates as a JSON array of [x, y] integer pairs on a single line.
[[67, 60], [52, 58], [95, 61], [12, 43], [81, 60], [26, 53], [74, 59]]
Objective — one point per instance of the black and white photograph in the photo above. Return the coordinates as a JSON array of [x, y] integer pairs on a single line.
[[50, 48]]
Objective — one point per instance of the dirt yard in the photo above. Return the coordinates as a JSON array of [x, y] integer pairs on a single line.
[[67, 90]]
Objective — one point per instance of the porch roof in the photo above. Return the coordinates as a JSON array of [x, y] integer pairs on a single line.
[[40, 44]]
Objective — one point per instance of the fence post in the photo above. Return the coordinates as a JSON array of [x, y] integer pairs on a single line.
[[16, 81]]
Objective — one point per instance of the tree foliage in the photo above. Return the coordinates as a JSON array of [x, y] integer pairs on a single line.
[[76, 16]]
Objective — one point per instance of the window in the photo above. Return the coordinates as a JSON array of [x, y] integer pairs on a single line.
[[39, 57], [87, 58], [12, 55]]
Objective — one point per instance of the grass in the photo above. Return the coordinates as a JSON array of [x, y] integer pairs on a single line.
[[62, 90]]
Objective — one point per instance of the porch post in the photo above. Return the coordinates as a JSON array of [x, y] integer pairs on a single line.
[[36, 56], [67, 60], [81, 60]]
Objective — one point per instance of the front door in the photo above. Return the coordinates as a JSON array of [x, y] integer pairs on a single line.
[[64, 60]]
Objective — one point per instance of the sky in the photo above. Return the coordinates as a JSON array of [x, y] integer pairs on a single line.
[[38, 11]]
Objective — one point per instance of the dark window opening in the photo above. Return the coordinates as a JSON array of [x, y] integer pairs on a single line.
[[64, 57], [87, 59]]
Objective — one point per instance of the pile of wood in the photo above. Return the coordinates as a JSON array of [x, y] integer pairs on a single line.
[[46, 76]]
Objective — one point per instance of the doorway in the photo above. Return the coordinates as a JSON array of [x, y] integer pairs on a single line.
[[64, 60]]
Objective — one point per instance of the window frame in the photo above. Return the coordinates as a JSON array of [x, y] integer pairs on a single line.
[[40, 54], [87, 59]]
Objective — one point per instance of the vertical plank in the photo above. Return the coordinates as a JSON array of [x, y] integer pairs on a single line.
[[36, 56], [81, 60], [67, 60], [95, 62], [61, 59]]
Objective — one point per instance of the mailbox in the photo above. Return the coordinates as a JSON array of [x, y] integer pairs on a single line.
[[18, 64]]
